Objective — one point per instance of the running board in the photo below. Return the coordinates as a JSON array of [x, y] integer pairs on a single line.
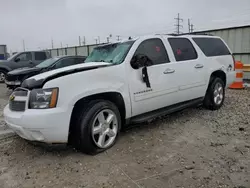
[[165, 111]]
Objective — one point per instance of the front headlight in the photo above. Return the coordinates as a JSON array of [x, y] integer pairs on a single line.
[[43, 98]]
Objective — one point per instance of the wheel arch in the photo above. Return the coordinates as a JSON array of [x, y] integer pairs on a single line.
[[219, 74], [112, 96]]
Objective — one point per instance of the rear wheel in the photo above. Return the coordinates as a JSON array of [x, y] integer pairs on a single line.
[[215, 95], [2, 76], [98, 127]]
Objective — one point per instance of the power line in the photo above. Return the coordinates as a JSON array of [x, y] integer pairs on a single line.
[[178, 23]]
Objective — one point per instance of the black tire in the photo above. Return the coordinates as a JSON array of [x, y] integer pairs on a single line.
[[3, 72], [209, 100], [84, 141]]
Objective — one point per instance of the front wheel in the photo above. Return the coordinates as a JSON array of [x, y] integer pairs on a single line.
[[215, 95], [100, 124]]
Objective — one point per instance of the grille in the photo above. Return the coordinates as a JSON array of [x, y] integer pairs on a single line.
[[17, 106], [10, 77]]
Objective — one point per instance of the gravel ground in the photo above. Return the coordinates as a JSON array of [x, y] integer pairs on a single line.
[[192, 148]]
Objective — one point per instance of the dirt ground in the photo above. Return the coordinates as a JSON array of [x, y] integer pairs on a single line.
[[192, 148]]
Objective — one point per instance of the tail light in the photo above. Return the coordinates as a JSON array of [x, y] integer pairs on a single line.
[[234, 62]]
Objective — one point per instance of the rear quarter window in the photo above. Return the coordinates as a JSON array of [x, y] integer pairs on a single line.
[[183, 49], [212, 46]]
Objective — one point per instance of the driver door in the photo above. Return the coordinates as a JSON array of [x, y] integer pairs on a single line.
[[23, 60], [162, 77]]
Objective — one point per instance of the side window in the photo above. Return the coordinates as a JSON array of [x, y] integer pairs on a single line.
[[154, 49], [212, 46], [183, 49], [65, 62], [26, 56], [40, 56], [79, 60]]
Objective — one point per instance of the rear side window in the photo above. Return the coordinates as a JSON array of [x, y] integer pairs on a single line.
[[154, 49], [183, 49], [80, 60], [65, 62], [40, 56], [212, 46]]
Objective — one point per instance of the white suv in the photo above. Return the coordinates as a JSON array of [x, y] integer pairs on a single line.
[[132, 81]]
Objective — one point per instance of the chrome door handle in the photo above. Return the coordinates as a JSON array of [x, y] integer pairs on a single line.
[[199, 66], [169, 71]]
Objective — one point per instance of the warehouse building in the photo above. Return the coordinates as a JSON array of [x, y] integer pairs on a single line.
[[238, 39]]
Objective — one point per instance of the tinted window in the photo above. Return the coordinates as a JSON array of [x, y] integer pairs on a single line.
[[40, 56], [154, 50], [212, 46], [183, 49], [80, 60], [65, 63], [25, 56]]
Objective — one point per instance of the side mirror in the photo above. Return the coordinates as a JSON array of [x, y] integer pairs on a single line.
[[30, 62], [139, 61], [17, 59]]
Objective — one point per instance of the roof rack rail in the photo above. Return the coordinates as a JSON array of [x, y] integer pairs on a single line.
[[173, 34]]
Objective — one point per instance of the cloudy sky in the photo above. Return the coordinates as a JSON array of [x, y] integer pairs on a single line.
[[38, 21]]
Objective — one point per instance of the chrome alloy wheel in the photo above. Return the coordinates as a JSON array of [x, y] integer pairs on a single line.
[[105, 128], [218, 93]]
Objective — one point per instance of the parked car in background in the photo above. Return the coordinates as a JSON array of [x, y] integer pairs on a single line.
[[16, 77], [22, 59], [132, 81]]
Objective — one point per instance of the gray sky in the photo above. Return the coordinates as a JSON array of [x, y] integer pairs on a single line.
[[38, 21]]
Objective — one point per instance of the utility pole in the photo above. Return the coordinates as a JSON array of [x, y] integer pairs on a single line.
[[178, 24], [79, 40], [52, 43], [118, 37], [99, 39], [84, 41], [23, 45], [191, 28], [107, 39], [61, 45], [96, 41]]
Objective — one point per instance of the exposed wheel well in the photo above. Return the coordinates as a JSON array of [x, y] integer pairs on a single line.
[[219, 74], [4, 69], [114, 97]]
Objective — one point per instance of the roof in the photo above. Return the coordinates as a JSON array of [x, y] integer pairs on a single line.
[[226, 28]]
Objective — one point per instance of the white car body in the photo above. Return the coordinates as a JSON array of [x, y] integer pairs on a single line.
[[186, 83]]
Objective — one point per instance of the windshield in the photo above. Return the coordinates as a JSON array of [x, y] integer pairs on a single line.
[[11, 57], [47, 62], [113, 53]]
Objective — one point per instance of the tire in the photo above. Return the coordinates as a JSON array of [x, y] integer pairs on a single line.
[[215, 94], [2, 75], [95, 115]]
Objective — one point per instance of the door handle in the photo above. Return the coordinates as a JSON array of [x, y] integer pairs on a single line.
[[169, 71], [199, 66]]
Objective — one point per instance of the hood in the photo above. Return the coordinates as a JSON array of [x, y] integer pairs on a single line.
[[39, 80], [83, 66], [3, 61], [24, 70]]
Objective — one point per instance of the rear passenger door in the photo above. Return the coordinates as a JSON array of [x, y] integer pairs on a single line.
[[190, 67]]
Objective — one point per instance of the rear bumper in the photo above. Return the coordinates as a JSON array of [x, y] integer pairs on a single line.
[[48, 125], [231, 77]]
